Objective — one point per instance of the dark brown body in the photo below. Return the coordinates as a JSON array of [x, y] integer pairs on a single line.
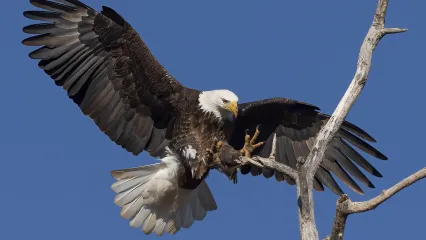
[[195, 128]]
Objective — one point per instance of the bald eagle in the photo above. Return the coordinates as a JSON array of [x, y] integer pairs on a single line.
[[108, 71]]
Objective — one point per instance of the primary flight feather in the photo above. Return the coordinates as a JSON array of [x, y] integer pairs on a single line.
[[109, 72]]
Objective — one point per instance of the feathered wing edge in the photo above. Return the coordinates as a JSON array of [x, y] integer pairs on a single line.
[[87, 53], [293, 141]]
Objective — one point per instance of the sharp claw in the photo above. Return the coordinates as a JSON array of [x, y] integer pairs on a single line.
[[247, 139]]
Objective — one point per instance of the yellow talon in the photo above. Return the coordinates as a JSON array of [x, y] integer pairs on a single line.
[[214, 153], [255, 136], [219, 144], [258, 145], [249, 143]]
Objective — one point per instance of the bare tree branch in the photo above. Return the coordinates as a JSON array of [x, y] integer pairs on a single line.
[[306, 171], [376, 32], [345, 206], [270, 163], [357, 207]]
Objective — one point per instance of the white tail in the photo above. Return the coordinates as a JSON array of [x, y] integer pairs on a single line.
[[151, 198]]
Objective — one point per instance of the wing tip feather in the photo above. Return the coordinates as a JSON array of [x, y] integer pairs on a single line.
[[376, 173], [358, 190], [371, 185]]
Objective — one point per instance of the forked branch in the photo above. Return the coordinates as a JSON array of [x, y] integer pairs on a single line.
[[345, 206], [304, 177], [304, 187]]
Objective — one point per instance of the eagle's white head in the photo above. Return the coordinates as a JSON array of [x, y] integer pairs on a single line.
[[221, 103]]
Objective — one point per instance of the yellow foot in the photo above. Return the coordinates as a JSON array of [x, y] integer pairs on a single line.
[[216, 152], [250, 143], [219, 145]]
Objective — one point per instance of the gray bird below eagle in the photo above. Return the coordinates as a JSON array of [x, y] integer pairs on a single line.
[[109, 72]]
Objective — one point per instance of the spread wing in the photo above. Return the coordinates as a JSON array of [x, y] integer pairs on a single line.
[[295, 126], [107, 70]]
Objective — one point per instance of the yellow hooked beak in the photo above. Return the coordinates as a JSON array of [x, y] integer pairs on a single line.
[[232, 107]]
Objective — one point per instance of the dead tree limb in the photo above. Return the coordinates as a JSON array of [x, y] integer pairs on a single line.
[[376, 32], [345, 206], [304, 177], [270, 163]]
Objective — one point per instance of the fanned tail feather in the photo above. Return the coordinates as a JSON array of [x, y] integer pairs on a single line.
[[151, 198]]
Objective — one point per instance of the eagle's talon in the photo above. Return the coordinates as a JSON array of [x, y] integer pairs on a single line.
[[214, 153], [255, 136], [250, 143], [219, 145], [247, 137]]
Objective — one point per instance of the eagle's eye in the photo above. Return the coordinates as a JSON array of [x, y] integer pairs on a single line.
[[225, 101]]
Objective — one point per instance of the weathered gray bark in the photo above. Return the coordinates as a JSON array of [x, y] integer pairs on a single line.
[[305, 174], [345, 206], [377, 30]]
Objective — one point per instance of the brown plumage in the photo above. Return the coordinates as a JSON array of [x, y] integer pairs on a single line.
[[109, 72]]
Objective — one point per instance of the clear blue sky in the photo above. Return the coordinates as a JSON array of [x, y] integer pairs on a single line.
[[55, 162]]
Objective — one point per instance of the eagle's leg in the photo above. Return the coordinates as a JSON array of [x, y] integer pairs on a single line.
[[250, 143], [214, 152]]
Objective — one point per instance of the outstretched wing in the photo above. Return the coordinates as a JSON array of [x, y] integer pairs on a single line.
[[107, 70], [295, 126]]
